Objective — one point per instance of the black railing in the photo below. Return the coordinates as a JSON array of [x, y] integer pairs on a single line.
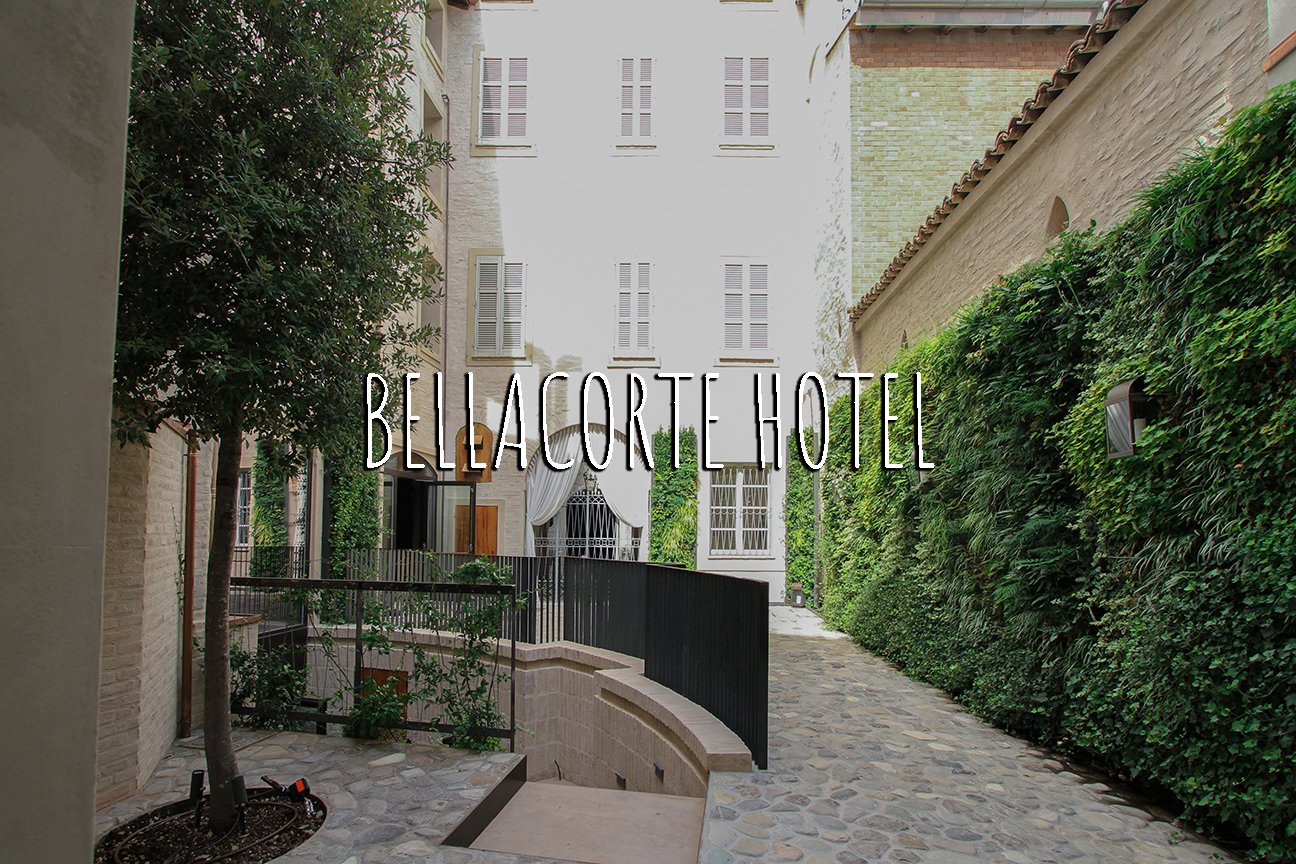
[[603, 604], [269, 562], [708, 640], [703, 635], [335, 665]]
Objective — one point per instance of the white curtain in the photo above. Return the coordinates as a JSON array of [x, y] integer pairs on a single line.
[[626, 491], [547, 490]]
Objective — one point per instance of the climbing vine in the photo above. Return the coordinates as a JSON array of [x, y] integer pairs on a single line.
[[798, 519], [673, 532]]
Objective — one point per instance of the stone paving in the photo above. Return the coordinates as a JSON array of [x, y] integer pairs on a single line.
[[869, 766], [387, 803]]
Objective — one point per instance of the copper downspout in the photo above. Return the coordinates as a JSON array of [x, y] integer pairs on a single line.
[[187, 613]]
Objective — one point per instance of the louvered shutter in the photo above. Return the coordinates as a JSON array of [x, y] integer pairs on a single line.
[[511, 336], [634, 307], [734, 314], [746, 97], [517, 97], [758, 307], [643, 309], [734, 103], [503, 99], [636, 97], [758, 97], [491, 99], [487, 331]]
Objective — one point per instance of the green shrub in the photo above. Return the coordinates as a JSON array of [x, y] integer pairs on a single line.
[[1141, 610]]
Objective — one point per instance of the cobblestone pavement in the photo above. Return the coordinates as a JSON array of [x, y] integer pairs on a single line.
[[869, 766], [387, 803]]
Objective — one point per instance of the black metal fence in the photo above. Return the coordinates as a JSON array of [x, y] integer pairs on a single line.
[[703, 635], [336, 667], [603, 604], [708, 640]]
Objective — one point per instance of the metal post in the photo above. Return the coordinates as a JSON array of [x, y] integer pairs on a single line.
[[513, 674], [359, 650]]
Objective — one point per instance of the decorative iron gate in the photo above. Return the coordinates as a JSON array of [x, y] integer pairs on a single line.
[[587, 527]]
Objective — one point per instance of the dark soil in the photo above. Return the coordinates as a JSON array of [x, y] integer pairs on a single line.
[[168, 835]]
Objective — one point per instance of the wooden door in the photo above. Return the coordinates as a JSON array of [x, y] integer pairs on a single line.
[[487, 529]]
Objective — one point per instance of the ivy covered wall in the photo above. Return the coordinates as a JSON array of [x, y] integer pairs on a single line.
[[673, 529], [1139, 610]]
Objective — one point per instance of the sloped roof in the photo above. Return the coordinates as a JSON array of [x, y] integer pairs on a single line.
[[1115, 15]]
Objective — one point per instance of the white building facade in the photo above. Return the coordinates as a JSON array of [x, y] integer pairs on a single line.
[[636, 192]]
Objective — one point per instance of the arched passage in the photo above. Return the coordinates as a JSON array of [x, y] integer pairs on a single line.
[[584, 513]]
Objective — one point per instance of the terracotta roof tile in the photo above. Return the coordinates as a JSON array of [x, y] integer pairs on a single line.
[[1114, 16]]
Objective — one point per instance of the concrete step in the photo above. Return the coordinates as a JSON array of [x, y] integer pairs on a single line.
[[596, 826]]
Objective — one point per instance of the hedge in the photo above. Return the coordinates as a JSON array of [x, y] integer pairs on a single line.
[[1141, 611]]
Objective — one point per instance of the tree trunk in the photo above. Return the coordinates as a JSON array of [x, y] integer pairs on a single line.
[[222, 764]]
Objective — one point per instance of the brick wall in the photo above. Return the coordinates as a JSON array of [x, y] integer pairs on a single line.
[[140, 672], [1166, 79], [1000, 48], [923, 105]]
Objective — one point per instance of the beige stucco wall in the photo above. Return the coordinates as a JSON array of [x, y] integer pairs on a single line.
[[139, 682], [64, 75], [1167, 78]]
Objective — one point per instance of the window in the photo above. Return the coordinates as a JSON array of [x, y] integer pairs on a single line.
[[746, 307], [429, 313], [634, 309], [740, 511], [434, 128], [636, 99], [434, 29], [502, 100], [500, 303], [746, 99], [243, 513]]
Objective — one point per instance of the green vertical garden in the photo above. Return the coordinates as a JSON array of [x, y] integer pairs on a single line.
[[1140, 610]]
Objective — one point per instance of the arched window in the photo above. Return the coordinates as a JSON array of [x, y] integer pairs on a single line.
[[1059, 218]]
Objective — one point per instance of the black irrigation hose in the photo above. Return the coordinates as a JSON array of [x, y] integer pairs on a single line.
[[188, 814]]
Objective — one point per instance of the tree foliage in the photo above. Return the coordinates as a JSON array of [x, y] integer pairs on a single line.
[[1140, 610], [271, 242]]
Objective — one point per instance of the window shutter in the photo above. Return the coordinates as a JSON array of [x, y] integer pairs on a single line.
[[734, 104], [636, 97], [491, 99], [486, 333], [734, 317], [758, 98], [625, 305], [517, 97], [643, 309], [758, 306], [634, 307], [746, 97], [514, 302]]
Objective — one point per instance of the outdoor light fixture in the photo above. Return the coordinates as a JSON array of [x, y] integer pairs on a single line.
[[473, 445], [1128, 411], [796, 595]]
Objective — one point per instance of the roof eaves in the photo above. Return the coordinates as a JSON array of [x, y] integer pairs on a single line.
[[1116, 15]]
